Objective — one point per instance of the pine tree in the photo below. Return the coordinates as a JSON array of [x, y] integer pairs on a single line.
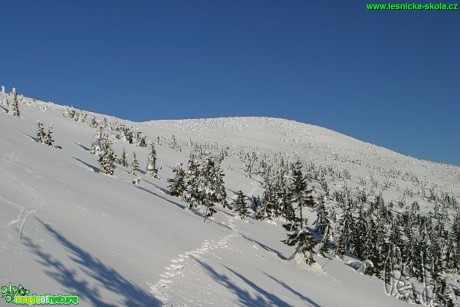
[[107, 158], [301, 195], [93, 123], [207, 187], [323, 249], [135, 165], [49, 138], [192, 194], [123, 160], [298, 234], [15, 106], [97, 147], [177, 185], [322, 217], [41, 136], [240, 205], [219, 188], [152, 169]]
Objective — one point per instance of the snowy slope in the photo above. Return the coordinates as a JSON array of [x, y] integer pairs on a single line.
[[66, 229]]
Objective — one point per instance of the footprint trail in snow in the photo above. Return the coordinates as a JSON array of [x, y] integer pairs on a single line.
[[161, 288]]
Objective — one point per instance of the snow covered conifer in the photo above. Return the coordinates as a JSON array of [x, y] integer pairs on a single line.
[[207, 187], [135, 165], [177, 184], [49, 137], [41, 136], [219, 188], [192, 193], [298, 233], [123, 160], [93, 123], [15, 106], [107, 158], [152, 169], [97, 147], [240, 205]]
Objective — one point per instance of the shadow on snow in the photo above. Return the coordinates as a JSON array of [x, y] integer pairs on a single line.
[[107, 277]]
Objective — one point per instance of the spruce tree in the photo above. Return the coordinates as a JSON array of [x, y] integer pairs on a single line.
[[15, 106], [323, 249], [135, 165], [240, 205], [41, 136], [219, 188], [107, 158], [152, 169], [49, 138], [123, 160], [192, 194], [93, 123], [177, 184], [298, 233], [207, 187]]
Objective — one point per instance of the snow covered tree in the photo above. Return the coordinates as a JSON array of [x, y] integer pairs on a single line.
[[219, 188], [152, 169], [41, 136], [15, 106], [240, 205], [49, 137], [107, 158], [135, 165], [323, 249], [97, 147], [177, 185], [322, 217], [298, 233], [207, 187], [93, 123], [300, 194], [192, 194], [123, 160]]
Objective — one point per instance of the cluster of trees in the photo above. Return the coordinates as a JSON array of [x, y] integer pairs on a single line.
[[45, 137], [126, 133], [201, 185], [102, 146], [12, 102], [392, 244], [76, 115]]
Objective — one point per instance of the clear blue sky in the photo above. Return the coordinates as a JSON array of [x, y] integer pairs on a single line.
[[390, 78]]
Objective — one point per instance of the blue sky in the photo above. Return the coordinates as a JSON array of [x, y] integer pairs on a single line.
[[390, 78]]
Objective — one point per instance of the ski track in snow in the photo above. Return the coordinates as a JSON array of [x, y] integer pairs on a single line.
[[35, 198], [175, 270]]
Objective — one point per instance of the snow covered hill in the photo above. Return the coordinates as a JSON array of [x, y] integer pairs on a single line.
[[67, 229]]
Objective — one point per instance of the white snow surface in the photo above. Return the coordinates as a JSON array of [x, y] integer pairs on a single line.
[[67, 229]]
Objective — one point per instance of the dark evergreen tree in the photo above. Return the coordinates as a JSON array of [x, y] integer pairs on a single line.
[[123, 159], [41, 136], [298, 233], [49, 136], [107, 158], [322, 217], [240, 205], [177, 185], [192, 195], [93, 123], [15, 106], [323, 249], [207, 187], [152, 169], [135, 165]]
